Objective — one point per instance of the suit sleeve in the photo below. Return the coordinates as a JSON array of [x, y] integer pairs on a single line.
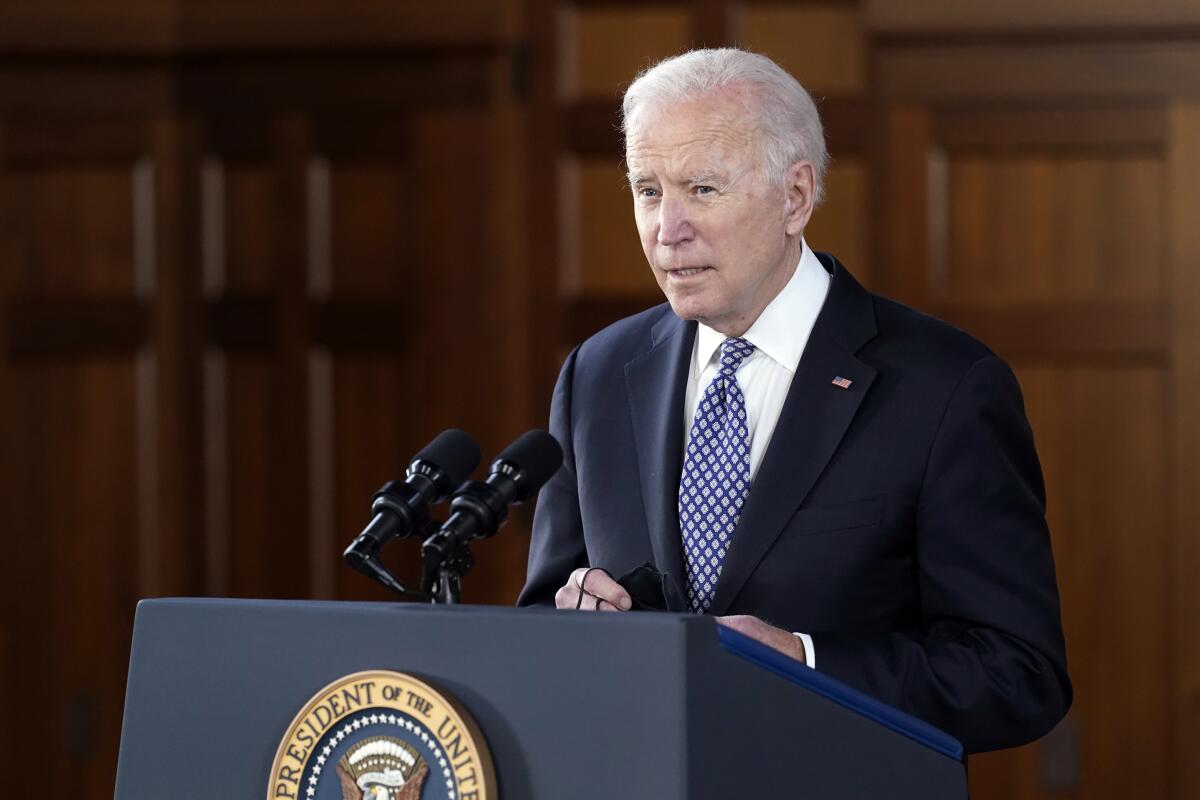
[[557, 545], [989, 665]]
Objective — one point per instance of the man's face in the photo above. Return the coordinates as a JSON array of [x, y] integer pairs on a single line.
[[721, 239]]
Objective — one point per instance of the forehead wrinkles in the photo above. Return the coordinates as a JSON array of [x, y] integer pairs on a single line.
[[683, 150], [722, 124], [714, 126]]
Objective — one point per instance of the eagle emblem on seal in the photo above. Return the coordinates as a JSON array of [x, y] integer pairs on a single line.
[[382, 768]]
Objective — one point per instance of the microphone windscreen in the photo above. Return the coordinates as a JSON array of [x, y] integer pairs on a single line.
[[537, 453], [455, 452]]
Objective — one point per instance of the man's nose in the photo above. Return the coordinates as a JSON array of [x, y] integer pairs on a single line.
[[673, 223]]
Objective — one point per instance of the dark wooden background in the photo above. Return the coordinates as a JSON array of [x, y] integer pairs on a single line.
[[254, 255]]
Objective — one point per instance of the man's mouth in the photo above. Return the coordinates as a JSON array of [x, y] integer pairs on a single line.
[[687, 272]]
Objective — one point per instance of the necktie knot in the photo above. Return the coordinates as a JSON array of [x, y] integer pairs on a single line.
[[734, 351]]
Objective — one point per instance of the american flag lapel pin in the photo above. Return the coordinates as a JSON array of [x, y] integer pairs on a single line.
[[842, 383]]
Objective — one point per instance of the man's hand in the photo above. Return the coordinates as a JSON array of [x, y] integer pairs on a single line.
[[785, 642], [591, 589]]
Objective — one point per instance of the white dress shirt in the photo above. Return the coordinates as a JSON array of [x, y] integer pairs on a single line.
[[779, 336]]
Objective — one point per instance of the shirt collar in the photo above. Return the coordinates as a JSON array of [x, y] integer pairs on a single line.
[[782, 329]]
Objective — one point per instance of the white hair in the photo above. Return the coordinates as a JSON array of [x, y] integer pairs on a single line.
[[791, 127]]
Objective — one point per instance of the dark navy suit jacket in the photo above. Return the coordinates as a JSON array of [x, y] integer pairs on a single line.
[[900, 522]]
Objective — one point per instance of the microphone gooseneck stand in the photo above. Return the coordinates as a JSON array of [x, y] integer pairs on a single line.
[[445, 587], [478, 509]]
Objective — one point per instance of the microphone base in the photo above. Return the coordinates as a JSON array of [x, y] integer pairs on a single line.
[[368, 565], [442, 570]]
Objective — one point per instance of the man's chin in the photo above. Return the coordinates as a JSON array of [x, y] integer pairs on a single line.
[[688, 310], [689, 303]]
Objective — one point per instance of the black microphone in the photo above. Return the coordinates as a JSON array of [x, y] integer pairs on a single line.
[[401, 508], [479, 508]]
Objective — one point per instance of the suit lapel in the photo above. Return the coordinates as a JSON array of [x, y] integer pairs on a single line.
[[815, 416], [655, 384]]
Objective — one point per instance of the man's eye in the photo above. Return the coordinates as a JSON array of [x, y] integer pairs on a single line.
[[705, 190], [646, 191]]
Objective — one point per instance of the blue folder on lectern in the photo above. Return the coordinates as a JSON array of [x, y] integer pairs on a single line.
[[356, 701]]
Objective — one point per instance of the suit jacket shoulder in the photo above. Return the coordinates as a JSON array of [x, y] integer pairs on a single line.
[[627, 338]]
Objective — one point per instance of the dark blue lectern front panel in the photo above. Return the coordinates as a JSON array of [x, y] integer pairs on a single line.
[[572, 705]]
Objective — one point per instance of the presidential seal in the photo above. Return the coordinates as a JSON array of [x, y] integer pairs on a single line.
[[382, 735]]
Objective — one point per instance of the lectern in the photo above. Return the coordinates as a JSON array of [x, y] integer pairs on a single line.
[[571, 705]]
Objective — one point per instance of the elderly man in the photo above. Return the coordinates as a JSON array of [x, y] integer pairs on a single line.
[[839, 476]]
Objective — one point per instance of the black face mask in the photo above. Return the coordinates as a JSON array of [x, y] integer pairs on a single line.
[[649, 589]]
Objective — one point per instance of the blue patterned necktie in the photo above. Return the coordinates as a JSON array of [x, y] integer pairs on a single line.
[[716, 476]]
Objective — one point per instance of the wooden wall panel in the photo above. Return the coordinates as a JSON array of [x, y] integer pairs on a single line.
[[1075, 70], [77, 394], [1040, 226], [466, 326], [257, 526], [166, 26], [140, 24], [267, 528], [824, 46], [168, 268], [375, 244], [247, 240], [252, 545], [604, 48], [842, 223], [68, 230], [1183, 164], [342, 23], [897, 17], [605, 248], [71, 507]]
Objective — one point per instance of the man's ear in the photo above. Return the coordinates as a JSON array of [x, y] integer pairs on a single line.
[[800, 187]]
